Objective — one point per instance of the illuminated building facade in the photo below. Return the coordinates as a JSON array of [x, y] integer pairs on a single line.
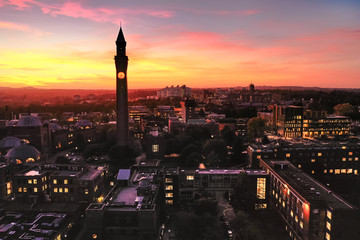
[[295, 122], [6, 181], [60, 183], [309, 210], [129, 212], [317, 124], [183, 185]]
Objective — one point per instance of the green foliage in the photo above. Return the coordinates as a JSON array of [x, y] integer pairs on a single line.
[[343, 109], [203, 206], [245, 229], [215, 152], [193, 160], [93, 150], [256, 128], [122, 156], [228, 135]]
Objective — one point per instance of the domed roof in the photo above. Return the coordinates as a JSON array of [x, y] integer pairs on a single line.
[[29, 121], [54, 126], [24, 153], [83, 124], [9, 142]]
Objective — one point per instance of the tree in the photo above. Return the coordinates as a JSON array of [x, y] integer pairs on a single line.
[[228, 135], [93, 150], [122, 156], [203, 206], [256, 127], [343, 109], [187, 151], [244, 228], [193, 160], [215, 152]]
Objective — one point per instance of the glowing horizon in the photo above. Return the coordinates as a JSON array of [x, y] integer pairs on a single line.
[[70, 45]]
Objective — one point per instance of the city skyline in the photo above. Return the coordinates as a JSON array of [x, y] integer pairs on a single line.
[[203, 44]]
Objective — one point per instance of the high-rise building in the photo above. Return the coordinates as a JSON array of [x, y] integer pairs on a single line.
[[121, 63]]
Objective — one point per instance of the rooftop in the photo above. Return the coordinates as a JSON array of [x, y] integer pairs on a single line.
[[306, 186]]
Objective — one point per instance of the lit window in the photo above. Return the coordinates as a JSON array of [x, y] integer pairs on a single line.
[[169, 187], [169, 195], [155, 148], [313, 171], [55, 181], [331, 170], [169, 201], [168, 180], [190, 177], [258, 156], [66, 190], [55, 190], [349, 171], [328, 226], [343, 147], [86, 191], [296, 219], [313, 160], [327, 236], [61, 190], [65, 181], [299, 166], [261, 186], [350, 153], [301, 224], [356, 172], [24, 189], [325, 171], [337, 171], [344, 159], [35, 189], [35, 181], [292, 213], [343, 170], [288, 155], [259, 206], [328, 214], [30, 181], [111, 183], [356, 159], [20, 189], [319, 154]]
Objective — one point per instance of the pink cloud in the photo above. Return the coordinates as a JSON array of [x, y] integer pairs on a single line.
[[18, 4], [20, 27], [76, 9], [223, 12]]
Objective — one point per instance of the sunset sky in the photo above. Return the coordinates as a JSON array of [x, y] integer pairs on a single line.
[[200, 43]]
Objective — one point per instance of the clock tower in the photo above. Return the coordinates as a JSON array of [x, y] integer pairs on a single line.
[[122, 115]]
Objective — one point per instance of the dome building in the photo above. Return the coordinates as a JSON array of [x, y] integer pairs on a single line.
[[23, 153], [32, 129], [7, 143], [85, 132]]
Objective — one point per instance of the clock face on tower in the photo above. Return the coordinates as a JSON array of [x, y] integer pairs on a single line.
[[121, 75]]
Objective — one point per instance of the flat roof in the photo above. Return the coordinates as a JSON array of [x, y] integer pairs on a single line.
[[308, 187], [125, 196], [123, 174]]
